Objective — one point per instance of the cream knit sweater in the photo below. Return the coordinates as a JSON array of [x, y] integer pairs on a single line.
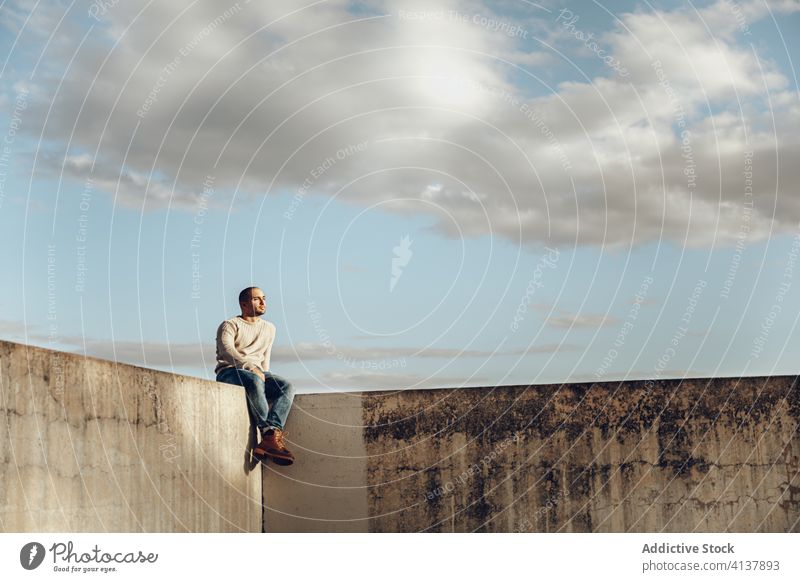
[[244, 345]]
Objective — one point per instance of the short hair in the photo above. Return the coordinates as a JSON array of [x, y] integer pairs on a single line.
[[246, 294]]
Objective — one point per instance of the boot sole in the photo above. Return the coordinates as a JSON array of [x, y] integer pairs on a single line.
[[277, 458]]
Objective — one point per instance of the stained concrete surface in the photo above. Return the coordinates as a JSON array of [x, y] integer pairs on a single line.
[[705, 455]]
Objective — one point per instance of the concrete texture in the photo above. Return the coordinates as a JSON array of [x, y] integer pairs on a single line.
[[91, 445], [326, 489], [705, 455]]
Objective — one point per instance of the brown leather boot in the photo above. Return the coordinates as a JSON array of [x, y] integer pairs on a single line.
[[272, 446]]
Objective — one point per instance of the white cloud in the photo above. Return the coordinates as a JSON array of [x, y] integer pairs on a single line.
[[202, 356], [379, 381], [572, 320], [306, 351], [13, 329], [272, 94]]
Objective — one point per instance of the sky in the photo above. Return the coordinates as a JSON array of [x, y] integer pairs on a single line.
[[432, 194]]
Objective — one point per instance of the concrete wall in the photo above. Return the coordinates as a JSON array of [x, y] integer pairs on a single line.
[[706, 455], [90, 445], [326, 489]]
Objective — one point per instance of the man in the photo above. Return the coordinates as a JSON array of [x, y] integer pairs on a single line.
[[244, 344]]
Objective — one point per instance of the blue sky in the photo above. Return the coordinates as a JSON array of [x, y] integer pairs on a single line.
[[527, 184]]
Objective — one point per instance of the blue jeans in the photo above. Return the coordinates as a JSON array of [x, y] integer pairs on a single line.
[[277, 389]]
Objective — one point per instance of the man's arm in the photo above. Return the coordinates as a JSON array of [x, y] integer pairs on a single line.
[[268, 352], [226, 348]]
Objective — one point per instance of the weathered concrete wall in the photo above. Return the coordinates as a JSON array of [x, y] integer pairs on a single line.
[[90, 445], [706, 455]]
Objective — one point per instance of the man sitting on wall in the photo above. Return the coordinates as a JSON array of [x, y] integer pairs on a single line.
[[244, 344]]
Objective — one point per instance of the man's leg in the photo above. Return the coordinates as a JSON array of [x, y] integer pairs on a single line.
[[281, 392], [254, 390], [270, 424]]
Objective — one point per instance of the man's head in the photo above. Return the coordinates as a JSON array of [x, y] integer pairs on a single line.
[[253, 302]]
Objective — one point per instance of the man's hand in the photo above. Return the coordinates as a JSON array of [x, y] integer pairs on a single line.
[[255, 370]]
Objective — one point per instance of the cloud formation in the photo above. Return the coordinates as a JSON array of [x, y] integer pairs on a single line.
[[459, 119], [203, 356]]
